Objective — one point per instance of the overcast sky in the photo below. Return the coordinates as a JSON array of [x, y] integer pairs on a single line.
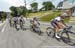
[[5, 4]]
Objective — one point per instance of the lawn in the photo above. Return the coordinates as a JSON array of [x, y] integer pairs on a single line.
[[38, 14], [49, 17], [46, 16]]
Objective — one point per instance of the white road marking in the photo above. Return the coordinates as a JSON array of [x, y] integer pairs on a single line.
[[4, 26], [2, 23]]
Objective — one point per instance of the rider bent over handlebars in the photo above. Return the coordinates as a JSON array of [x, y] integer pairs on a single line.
[[58, 23]]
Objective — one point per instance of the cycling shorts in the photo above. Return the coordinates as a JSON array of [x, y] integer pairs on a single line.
[[54, 23]]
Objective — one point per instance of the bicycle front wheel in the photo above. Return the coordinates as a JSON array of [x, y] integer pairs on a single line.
[[50, 32]]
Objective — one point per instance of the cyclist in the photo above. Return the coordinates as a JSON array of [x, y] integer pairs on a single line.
[[58, 23], [21, 21], [31, 22], [35, 22], [15, 19], [10, 21]]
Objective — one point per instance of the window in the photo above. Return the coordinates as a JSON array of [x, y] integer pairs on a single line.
[[71, 1], [65, 0]]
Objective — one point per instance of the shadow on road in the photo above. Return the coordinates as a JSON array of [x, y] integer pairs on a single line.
[[70, 42], [72, 33]]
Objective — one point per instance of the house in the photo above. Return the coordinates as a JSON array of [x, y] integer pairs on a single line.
[[70, 6]]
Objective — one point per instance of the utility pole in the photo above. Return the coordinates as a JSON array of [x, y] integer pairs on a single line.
[[25, 8], [25, 2]]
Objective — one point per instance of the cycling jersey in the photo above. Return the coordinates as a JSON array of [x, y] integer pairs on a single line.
[[58, 19], [21, 20], [35, 23], [55, 21], [15, 18]]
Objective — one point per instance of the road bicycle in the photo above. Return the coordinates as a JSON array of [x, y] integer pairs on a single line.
[[36, 29], [51, 32]]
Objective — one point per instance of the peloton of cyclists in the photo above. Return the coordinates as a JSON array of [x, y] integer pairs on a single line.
[[18, 22], [57, 22]]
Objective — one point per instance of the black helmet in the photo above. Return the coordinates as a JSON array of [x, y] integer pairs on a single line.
[[34, 18]]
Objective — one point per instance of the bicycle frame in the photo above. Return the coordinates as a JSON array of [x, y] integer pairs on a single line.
[[66, 30]]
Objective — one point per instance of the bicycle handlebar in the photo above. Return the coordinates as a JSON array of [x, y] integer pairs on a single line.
[[68, 28]]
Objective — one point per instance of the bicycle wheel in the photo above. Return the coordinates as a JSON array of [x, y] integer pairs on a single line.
[[50, 32], [38, 30], [66, 33]]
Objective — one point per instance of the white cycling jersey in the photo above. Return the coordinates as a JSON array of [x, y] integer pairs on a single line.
[[35, 22], [57, 18], [15, 18]]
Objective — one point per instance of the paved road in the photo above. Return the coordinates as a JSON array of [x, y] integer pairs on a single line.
[[11, 38]]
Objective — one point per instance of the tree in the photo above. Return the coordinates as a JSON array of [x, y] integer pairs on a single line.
[[23, 10], [34, 6], [48, 5], [18, 11], [60, 4], [13, 11], [3, 15], [42, 9]]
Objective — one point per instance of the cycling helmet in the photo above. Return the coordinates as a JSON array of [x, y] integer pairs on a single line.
[[64, 14], [34, 18]]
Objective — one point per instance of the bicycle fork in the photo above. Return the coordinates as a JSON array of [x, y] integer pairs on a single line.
[[66, 34]]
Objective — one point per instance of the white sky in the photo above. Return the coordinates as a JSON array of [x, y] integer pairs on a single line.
[[6, 4]]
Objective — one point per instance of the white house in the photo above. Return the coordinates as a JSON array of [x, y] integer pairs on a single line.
[[69, 5]]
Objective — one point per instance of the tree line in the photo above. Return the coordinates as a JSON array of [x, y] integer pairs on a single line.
[[2, 15], [22, 10]]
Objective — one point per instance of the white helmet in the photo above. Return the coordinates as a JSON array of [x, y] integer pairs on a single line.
[[64, 14]]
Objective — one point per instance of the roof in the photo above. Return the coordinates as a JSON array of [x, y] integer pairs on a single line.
[[68, 5]]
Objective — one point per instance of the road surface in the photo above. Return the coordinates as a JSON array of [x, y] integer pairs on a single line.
[[11, 38]]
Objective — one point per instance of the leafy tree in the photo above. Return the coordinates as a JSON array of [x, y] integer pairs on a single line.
[[17, 11], [3, 15], [34, 6], [13, 11], [29, 11], [48, 5], [42, 9], [23, 10], [60, 4]]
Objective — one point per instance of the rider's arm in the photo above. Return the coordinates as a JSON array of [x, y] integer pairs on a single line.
[[63, 22], [38, 23], [23, 21]]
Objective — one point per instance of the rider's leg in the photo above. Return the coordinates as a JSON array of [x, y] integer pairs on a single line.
[[61, 25], [56, 32], [56, 28]]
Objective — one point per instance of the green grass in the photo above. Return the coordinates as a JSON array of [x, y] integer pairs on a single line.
[[67, 19], [41, 13], [49, 17], [46, 18]]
